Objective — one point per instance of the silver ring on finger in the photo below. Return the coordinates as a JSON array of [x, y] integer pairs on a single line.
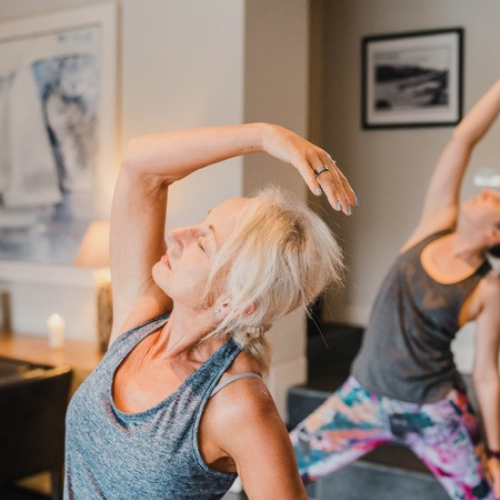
[[320, 170]]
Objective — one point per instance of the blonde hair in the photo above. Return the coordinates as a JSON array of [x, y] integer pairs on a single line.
[[280, 257]]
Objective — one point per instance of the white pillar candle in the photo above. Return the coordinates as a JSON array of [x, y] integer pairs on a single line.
[[55, 326]]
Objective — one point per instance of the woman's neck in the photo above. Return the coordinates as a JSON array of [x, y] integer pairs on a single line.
[[466, 248], [450, 260], [183, 333]]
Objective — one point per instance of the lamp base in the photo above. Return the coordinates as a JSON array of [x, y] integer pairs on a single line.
[[104, 315]]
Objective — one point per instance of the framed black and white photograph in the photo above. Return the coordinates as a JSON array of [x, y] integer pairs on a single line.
[[412, 79], [57, 131]]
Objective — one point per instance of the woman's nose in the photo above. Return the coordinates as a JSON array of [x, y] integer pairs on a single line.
[[179, 236]]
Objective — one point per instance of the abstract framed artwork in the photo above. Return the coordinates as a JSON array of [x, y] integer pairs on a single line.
[[412, 79], [58, 111]]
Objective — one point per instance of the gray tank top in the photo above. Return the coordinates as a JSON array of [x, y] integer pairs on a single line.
[[151, 455], [406, 351]]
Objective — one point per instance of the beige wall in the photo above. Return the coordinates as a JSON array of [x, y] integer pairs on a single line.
[[276, 82], [180, 65], [276, 91], [390, 168], [189, 63]]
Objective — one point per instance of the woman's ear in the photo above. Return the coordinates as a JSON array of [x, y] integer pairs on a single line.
[[250, 309], [222, 304]]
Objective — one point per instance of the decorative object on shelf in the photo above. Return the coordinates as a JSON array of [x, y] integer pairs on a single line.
[[94, 253], [104, 311], [487, 177], [55, 327], [412, 79], [5, 312], [58, 93]]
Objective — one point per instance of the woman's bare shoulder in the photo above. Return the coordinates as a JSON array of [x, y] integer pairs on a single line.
[[426, 229], [243, 396], [244, 406], [485, 298], [489, 290], [243, 363]]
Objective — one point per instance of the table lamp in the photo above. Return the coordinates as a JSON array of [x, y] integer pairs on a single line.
[[93, 253]]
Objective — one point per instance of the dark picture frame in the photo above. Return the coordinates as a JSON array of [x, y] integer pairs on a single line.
[[412, 79]]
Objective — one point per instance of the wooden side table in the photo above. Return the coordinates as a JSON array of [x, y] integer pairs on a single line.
[[82, 356]]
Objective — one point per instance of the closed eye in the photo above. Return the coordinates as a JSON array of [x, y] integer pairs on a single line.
[[206, 240]]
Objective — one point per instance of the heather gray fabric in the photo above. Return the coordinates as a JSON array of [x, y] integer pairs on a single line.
[[151, 455], [406, 352]]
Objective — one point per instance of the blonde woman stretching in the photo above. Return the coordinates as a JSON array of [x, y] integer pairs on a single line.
[[405, 386], [177, 407]]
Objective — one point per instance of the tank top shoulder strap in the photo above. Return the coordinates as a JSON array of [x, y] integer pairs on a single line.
[[420, 245], [129, 339], [208, 375], [233, 378]]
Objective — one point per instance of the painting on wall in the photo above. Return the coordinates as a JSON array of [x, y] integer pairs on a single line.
[[412, 79], [57, 131]]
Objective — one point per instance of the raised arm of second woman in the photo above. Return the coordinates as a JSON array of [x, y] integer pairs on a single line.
[[442, 199], [152, 163]]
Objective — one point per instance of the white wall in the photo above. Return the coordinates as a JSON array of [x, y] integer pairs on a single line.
[[276, 91], [183, 67], [390, 168], [182, 64]]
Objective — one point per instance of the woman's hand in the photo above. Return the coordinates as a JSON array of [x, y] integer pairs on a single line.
[[152, 163], [307, 158]]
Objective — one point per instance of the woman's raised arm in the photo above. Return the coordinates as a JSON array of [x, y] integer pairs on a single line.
[[152, 163], [441, 203]]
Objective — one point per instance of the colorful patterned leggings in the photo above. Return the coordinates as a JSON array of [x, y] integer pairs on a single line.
[[352, 422]]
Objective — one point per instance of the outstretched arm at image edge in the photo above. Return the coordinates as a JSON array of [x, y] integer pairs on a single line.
[[253, 434], [486, 375], [150, 165], [442, 198]]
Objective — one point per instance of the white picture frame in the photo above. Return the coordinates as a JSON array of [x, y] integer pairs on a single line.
[[81, 43]]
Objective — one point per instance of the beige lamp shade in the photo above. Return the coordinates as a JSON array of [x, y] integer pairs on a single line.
[[94, 253], [94, 248]]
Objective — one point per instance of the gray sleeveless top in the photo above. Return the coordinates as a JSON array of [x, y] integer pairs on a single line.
[[406, 351], [151, 455]]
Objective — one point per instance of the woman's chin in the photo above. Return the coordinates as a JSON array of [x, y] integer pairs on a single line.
[[158, 275]]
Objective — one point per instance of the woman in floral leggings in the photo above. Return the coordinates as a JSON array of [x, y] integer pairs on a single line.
[[352, 422], [404, 385]]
